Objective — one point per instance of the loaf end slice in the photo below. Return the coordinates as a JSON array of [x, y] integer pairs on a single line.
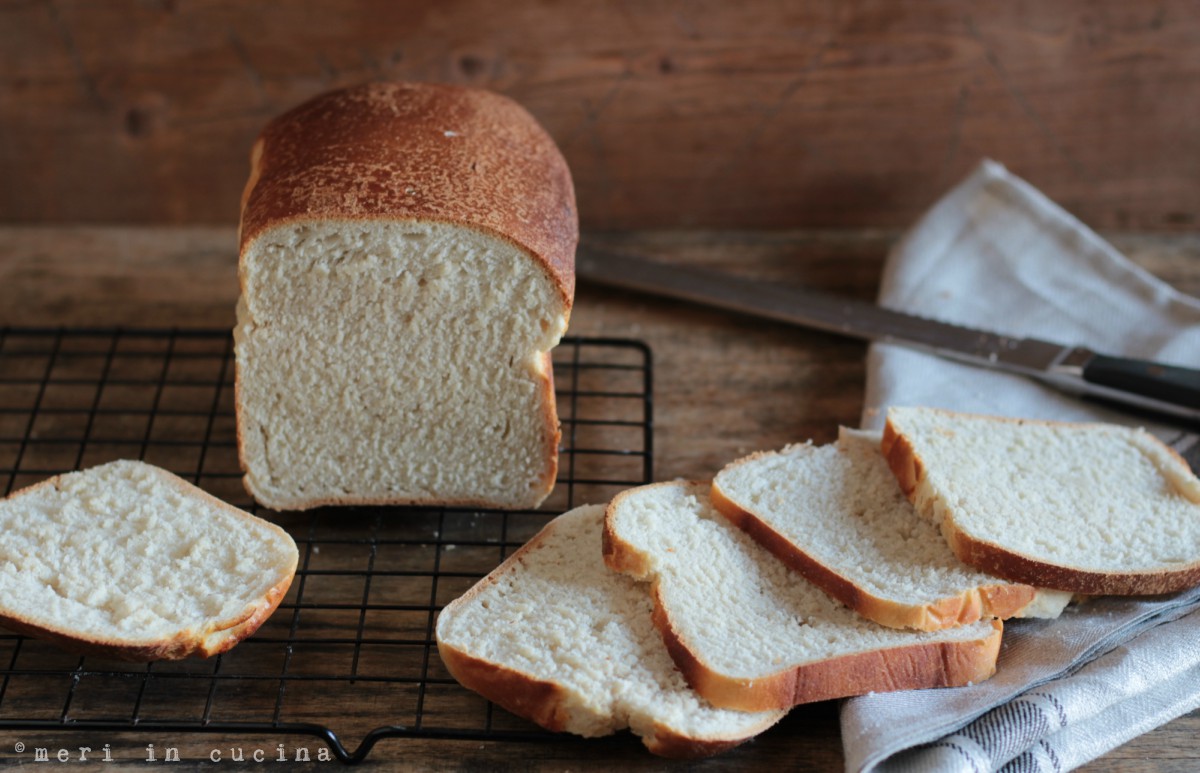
[[128, 561], [1087, 508], [835, 515], [749, 633], [554, 636]]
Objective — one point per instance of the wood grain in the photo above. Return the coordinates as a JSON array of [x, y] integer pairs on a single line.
[[696, 113], [724, 385]]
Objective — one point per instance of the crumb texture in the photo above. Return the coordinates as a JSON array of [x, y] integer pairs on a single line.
[[129, 554], [557, 614], [739, 610], [1097, 497], [840, 506], [388, 362]]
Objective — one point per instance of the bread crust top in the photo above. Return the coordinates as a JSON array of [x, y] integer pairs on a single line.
[[421, 152]]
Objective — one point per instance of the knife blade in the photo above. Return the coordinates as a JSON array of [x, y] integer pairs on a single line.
[[1157, 387]]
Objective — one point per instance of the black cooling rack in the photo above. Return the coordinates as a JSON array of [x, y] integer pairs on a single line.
[[356, 629]]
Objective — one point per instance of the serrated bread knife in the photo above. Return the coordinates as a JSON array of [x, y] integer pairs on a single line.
[[1166, 389]]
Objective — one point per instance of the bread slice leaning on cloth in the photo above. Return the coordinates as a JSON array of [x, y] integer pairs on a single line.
[[407, 264], [1089, 508], [554, 636], [749, 633], [835, 515], [128, 561]]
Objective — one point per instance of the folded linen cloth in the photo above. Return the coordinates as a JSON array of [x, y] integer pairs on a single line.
[[997, 254]]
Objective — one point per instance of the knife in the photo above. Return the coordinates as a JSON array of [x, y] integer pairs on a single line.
[[1165, 389]]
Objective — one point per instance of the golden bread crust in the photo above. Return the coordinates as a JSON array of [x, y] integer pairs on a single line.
[[417, 152]]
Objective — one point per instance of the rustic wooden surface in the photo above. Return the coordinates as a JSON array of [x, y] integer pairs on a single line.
[[724, 385], [759, 114]]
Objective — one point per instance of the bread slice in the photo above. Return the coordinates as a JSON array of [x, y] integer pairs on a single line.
[[128, 561], [835, 514], [407, 264], [750, 634], [554, 636], [1089, 508]]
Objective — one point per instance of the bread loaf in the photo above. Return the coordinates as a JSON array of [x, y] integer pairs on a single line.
[[554, 636], [1089, 508], [128, 561], [835, 514], [750, 634], [406, 266]]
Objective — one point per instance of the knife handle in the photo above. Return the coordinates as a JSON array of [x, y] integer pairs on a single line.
[[1167, 383]]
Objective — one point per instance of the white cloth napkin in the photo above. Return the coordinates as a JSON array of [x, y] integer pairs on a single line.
[[997, 254]]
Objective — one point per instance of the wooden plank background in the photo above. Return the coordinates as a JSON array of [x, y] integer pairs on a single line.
[[672, 113]]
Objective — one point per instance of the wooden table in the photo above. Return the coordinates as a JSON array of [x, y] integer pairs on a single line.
[[724, 385]]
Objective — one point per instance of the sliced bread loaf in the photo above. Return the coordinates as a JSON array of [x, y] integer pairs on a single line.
[[554, 636], [407, 264], [835, 514], [1088, 508], [751, 634], [129, 561]]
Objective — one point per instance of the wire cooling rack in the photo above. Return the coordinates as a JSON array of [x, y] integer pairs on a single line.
[[349, 657]]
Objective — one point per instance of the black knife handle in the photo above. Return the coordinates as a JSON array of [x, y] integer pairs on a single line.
[[1168, 383]]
